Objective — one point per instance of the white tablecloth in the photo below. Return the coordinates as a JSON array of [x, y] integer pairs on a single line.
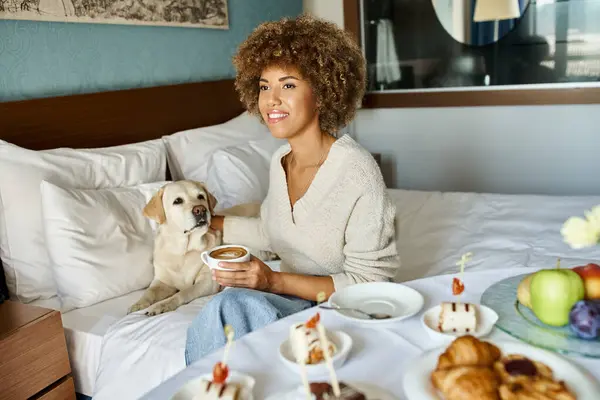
[[380, 354]]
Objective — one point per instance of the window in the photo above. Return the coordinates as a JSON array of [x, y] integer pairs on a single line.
[[434, 51]]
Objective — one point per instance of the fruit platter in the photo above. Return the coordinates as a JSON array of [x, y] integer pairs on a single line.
[[556, 308]]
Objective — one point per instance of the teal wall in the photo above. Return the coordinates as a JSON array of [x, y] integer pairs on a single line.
[[40, 59]]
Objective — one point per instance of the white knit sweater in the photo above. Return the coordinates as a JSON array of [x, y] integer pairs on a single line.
[[343, 226]]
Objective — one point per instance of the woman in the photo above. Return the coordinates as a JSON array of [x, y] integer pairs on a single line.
[[327, 214]]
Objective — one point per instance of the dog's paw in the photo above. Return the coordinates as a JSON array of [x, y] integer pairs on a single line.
[[162, 307], [140, 305]]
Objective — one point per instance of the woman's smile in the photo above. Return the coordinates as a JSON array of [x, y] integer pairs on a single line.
[[276, 116]]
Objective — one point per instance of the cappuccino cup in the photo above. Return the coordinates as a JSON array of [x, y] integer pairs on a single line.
[[225, 253]]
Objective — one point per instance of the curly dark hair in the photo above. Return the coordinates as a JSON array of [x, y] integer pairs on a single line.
[[327, 56]]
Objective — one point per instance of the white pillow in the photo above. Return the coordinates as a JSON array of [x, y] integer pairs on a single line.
[[100, 245], [240, 174], [189, 151], [22, 246]]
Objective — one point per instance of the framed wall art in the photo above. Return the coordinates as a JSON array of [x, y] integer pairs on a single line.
[[182, 13]]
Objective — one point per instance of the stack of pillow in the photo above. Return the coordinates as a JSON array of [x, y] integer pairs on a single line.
[[72, 232]]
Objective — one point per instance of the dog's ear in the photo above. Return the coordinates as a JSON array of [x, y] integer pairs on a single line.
[[154, 209], [212, 202]]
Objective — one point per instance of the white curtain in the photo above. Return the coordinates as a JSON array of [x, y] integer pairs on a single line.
[[387, 66]]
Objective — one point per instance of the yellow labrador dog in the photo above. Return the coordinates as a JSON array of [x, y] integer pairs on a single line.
[[183, 211]]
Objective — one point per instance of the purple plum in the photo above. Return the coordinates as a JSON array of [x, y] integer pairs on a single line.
[[584, 319]]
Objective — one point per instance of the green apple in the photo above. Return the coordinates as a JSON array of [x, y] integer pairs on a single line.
[[553, 293]]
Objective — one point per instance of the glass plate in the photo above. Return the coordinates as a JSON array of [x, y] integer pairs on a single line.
[[520, 322]]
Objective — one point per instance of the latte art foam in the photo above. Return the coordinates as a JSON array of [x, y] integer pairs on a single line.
[[228, 253]]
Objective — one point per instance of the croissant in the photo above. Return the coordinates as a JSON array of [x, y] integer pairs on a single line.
[[469, 351], [465, 383], [540, 389]]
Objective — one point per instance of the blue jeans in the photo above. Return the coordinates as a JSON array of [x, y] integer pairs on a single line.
[[246, 310]]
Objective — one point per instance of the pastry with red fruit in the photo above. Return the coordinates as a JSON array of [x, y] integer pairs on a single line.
[[455, 316]]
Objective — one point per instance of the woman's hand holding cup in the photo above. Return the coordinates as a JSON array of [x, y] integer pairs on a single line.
[[234, 266]]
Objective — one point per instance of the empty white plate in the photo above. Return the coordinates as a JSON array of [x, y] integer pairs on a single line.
[[395, 299], [191, 389], [418, 386], [486, 319], [343, 343]]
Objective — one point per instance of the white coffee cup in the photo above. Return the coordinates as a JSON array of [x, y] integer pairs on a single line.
[[225, 253]]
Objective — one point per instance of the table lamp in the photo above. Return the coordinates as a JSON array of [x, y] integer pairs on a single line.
[[494, 10]]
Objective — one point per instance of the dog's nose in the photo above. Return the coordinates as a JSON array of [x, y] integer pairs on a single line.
[[197, 210]]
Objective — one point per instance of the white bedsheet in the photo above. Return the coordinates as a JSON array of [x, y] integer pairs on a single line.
[[434, 230], [84, 331], [510, 231], [140, 352]]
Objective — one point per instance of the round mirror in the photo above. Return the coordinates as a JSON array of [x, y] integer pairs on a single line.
[[479, 22]]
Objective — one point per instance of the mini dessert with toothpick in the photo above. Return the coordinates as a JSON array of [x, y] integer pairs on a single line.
[[307, 332], [218, 387], [322, 390], [455, 316], [312, 332]]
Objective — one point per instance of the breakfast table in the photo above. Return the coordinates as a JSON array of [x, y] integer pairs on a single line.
[[381, 353]]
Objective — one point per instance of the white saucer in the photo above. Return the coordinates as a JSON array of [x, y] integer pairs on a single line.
[[342, 341], [395, 299], [486, 319], [370, 391], [193, 387], [418, 386]]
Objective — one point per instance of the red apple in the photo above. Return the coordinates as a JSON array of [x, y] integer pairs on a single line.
[[591, 280]]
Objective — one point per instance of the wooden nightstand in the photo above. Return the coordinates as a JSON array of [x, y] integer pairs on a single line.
[[34, 363]]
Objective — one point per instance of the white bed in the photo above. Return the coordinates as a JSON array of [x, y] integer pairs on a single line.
[[434, 230], [119, 356]]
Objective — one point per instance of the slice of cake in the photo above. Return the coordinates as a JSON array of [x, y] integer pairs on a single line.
[[457, 318], [302, 335], [218, 391], [324, 391]]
